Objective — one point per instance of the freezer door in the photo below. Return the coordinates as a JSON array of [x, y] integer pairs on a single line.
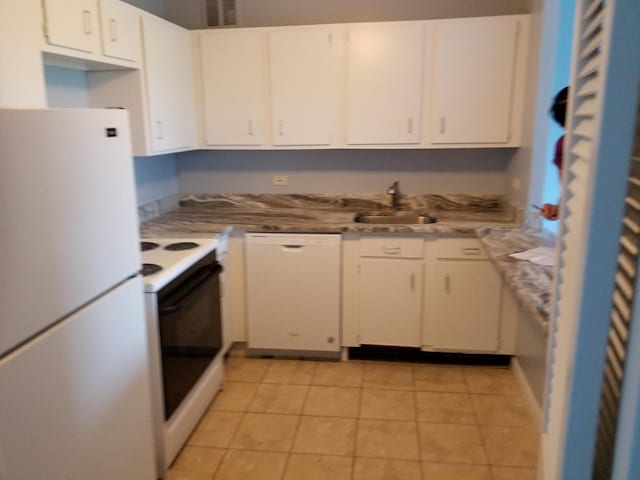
[[75, 401], [68, 218]]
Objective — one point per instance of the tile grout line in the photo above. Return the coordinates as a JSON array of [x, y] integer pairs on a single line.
[[245, 413], [417, 423], [478, 426], [357, 429], [297, 429]]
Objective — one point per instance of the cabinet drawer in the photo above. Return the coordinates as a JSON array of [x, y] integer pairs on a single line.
[[468, 248], [391, 246]]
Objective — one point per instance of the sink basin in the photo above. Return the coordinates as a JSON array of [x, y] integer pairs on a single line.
[[402, 218]]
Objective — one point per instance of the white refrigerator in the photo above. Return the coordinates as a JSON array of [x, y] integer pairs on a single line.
[[74, 375]]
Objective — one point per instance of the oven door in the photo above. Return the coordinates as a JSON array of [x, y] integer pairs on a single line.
[[190, 330]]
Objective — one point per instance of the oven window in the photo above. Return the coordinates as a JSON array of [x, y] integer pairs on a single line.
[[190, 334]]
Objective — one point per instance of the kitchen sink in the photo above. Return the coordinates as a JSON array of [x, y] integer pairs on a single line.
[[402, 218]]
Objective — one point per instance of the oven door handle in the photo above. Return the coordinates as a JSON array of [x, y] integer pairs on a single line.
[[194, 282]]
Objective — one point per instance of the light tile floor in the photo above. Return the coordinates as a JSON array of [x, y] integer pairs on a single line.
[[362, 420]]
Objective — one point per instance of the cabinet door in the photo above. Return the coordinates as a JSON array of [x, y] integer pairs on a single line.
[[465, 305], [21, 76], [473, 80], [169, 81], [304, 86], [120, 30], [73, 24], [390, 301], [235, 80], [384, 83]]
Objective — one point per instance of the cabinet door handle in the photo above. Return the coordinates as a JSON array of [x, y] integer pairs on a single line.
[[159, 131], [250, 127], [410, 125], [86, 20], [412, 282], [280, 127], [391, 250], [471, 251], [443, 124], [113, 29], [447, 283]]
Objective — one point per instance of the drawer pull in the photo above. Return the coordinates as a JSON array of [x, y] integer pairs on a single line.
[[391, 250], [471, 251]]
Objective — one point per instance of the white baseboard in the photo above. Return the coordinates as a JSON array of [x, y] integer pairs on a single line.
[[534, 407]]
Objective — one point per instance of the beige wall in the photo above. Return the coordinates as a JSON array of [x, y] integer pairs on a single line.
[[345, 171], [154, 6], [256, 13], [528, 163], [253, 13]]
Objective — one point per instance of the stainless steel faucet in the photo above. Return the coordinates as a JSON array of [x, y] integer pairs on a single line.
[[394, 191]]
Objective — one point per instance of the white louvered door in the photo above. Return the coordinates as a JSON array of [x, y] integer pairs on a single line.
[[596, 165]]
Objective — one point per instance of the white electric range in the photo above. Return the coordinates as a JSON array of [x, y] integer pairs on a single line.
[[182, 297], [164, 259]]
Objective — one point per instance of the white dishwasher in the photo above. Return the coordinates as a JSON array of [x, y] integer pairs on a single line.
[[293, 294]]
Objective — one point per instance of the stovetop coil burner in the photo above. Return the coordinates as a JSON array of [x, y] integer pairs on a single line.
[[146, 246], [174, 247], [150, 269]]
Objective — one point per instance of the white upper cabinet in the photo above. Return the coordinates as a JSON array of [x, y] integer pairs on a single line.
[[235, 74], [120, 30], [305, 86], [168, 67], [73, 24], [384, 83], [474, 69], [22, 81], [102, 31]]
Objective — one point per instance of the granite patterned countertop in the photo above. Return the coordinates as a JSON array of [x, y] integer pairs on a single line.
[[200, 215], [488, 217], [531, 283]]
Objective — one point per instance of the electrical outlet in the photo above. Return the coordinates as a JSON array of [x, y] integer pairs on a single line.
[[280, 180], [515, 183]]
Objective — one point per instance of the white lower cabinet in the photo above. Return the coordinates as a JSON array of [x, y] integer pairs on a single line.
[[389, 290], [465, 306], [463, 293], [439, 294], [390, 301]]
